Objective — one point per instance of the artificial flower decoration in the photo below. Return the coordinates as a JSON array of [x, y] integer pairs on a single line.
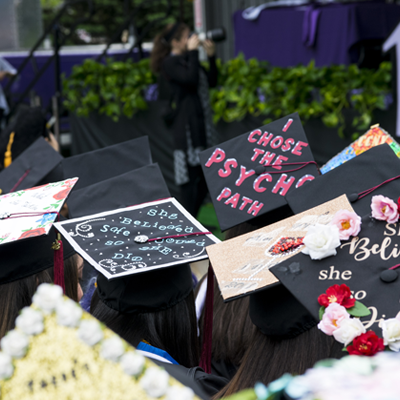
[[333, 316], [384, 209], [391, 333], [337, 294], [321, 241], [348, 223], [348, 330], [367, 344]]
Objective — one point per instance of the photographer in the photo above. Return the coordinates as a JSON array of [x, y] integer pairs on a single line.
[[175, 58]]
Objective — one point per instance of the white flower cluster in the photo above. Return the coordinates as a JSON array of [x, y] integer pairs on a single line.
[[48, 299], [352, 377]]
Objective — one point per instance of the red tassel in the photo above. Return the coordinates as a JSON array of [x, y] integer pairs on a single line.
[[205, 361], [59, 262]]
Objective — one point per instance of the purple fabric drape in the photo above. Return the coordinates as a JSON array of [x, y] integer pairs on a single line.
[[296, 35]]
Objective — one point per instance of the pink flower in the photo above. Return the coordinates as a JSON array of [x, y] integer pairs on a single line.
[[384, 209], [348, 223], [332, 317]]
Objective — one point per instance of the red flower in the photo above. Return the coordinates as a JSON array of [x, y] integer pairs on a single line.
[[398, 205], [337, 294], [62, 195], [32, 233], [367, 344]]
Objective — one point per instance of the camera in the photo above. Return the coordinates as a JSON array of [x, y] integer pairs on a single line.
[[216, 35]]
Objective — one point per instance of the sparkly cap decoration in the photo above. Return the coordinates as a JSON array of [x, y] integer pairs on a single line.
[[58, 351], [249, 176], [142, 253], [374, 137]]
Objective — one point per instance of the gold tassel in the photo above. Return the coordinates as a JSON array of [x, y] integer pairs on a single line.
[[8, 154]]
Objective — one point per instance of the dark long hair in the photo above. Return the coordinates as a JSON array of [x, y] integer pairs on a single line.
[[267, 359], [162, 47], [14, 296], [173, 330], [232, 330]]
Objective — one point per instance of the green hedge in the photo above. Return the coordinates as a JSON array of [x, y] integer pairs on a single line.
[[244, 87]]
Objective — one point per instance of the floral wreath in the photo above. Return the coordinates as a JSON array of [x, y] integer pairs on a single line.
[[337, 305]]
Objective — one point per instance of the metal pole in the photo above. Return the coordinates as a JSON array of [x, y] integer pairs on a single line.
[[56, 97]]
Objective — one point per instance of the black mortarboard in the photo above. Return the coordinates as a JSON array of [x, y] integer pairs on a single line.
[[250, 175], [135, 187], [362, 263], [23, 258], [28, 126], [354, 178], [37, 163], [152, 242], [98, 165]]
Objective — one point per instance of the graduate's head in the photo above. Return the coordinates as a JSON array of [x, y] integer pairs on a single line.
[[156, 307]]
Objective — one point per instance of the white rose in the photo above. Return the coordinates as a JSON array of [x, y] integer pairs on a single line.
[[112, 349], [391, 333], [132, 363], [155, 382], [90, 332], [179, 393], [348, 330], [68, 313], [47, 296], [6, 367], [30, 321], [321, 241], [14, 344]]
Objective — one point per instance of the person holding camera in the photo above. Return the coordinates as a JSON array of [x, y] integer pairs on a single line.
[[185, 83]]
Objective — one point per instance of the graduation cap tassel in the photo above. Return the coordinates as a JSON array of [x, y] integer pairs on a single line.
[[58, 262], [205, 361]]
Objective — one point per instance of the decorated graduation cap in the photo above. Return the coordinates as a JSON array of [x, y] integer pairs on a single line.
[[375, 171], [250, 175], [353, 273], [242, 266], [98, 165], [374, 137], [28, 242], [38, 164], [135, 187], [142, 253], [59, 351]]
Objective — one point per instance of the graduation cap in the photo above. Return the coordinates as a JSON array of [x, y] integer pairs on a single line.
[[249, 176], [367, 264], [374, 137], [98, 165], [135, 187], [142, 253], [360, 179], [67, 353], [242, 264], [33, 167], [28, 126], [28, 242]]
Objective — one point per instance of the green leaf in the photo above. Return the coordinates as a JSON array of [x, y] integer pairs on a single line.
[[359, 310], [321, 312]]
